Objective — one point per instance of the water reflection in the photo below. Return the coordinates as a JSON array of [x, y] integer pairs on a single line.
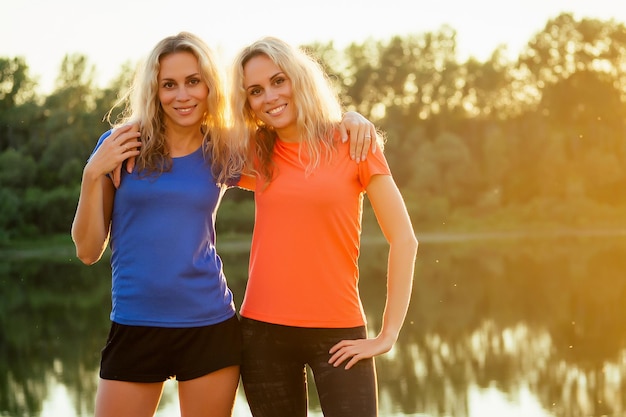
[[497, 328], [52, 319]]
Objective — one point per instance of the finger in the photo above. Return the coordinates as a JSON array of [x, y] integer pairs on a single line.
[[116, 176], [120, 131], [337, 347], [364, 145], [339, 359], [126, 133], [335, 357], [130, 164], [373, 134], [343, 132], [355, 136], [130, 145], [129, 142], [352, 362]]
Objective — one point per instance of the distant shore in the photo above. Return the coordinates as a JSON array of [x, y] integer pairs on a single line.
[[61, 246]]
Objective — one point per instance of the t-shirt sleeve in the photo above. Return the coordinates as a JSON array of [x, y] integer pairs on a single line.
[[247, 182], [375, 164]]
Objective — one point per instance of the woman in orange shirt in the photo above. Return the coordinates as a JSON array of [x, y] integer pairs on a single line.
[[302, 305]]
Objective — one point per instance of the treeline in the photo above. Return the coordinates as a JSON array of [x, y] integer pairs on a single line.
[[534, 141]]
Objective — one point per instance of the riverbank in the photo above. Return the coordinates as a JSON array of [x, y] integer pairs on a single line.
[[61, 246]]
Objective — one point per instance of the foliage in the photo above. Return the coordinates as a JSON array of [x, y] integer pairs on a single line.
[[532, 141]]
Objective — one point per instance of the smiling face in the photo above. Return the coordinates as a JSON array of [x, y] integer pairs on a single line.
[[182, 92], [269, 94]]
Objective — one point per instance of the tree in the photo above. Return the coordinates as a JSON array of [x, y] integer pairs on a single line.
[[16, 92]]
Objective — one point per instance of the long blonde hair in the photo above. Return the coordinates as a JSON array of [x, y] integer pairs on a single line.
[[318, 110], [142, 106]]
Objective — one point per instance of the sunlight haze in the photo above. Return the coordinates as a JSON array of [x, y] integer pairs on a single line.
[[114, 32]]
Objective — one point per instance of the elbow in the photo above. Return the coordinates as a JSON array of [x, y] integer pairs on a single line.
[[87, 255], [414, 246], [87, 258], [411, 242], [406, 241], [88, 250]]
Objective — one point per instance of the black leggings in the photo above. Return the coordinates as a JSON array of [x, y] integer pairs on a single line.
[[274, 375]]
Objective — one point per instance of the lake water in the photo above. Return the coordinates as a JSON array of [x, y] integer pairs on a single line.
[[528, 327]]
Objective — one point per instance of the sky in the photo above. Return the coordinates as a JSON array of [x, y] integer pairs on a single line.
[[111, 33]]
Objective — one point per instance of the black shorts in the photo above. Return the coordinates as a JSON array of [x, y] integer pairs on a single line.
[[155, 354]]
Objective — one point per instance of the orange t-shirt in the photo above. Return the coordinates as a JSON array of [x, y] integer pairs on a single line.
[[305, 246]]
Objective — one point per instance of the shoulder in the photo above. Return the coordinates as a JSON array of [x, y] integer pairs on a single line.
[[103, 137]]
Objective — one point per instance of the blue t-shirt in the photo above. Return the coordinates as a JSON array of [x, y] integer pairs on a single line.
[[166, 271]]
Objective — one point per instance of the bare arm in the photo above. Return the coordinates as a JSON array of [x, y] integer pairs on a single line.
[[395, 224], [91, 225]]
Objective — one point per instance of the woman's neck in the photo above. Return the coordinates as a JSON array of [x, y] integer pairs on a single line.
[[181, 142], [289, 135]]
